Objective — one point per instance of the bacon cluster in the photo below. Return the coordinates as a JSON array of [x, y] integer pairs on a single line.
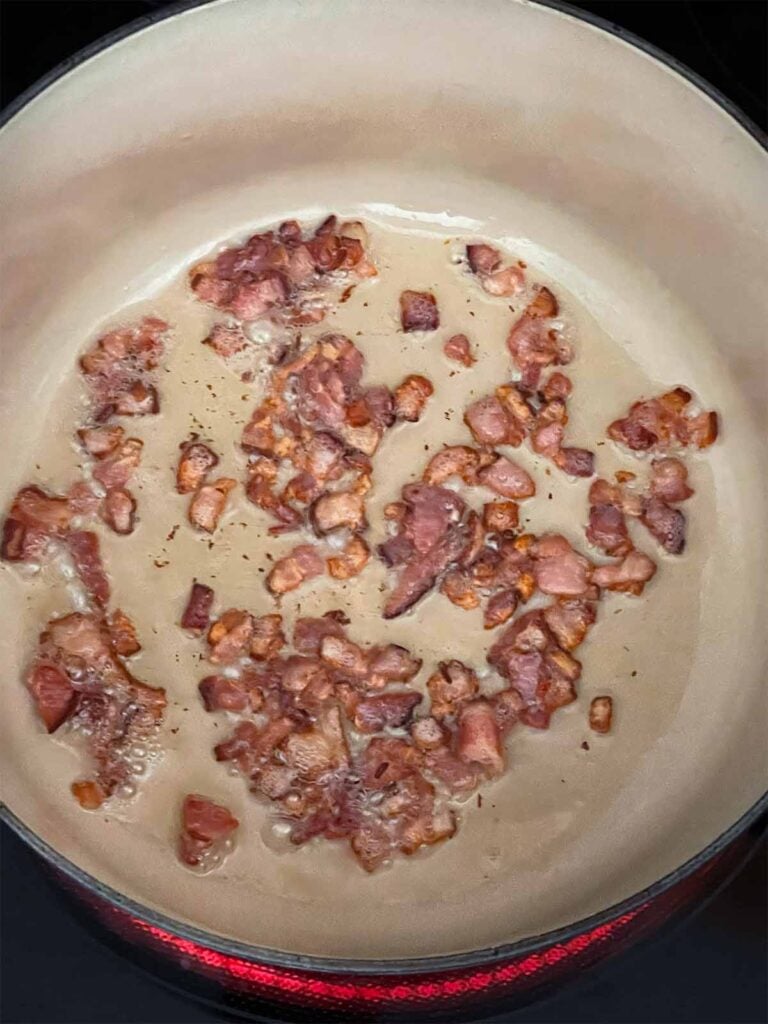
[[118, 369], [78, 676], [485, 262], [206, 828], [208, 499], [285, 275], [665, 423]]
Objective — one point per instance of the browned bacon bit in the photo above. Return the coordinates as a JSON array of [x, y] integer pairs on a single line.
[[123, 632], [208, 504], [428, 733], [119, 510], [195, 463], [391, 664], [338, 509], [450, 687], [421, 573], [118, 369], [411, 397], [197, 614], [558, 569], [352, 560], [345, 656], [628, 576], [569, 621], [385, 710], [418, 311], [534, 343], [491, 423], [84, 548], [117, 468], [601, 714], [101, 441], [302, 563], [669, 480], [226, 341], [482, 258], [667, 525], [455, 460], [53, 694], [607, 530], [458, 587], [485, 261], [309, 633], [36, 509], [575, 461], [500, 516], [557, 386], [479, 737], [500, 608], [459, 349], [662, 423], [219, 693], [507, 706], [230, 636], [139, 400], [507, 479], [268, 637], [205, 829]]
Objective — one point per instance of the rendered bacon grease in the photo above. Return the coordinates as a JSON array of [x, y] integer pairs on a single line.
[[357, 743]]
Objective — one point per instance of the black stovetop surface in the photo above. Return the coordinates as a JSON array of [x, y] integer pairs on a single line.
[[711, 969]]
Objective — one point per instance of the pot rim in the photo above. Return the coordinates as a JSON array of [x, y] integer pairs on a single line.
[[412, 965]]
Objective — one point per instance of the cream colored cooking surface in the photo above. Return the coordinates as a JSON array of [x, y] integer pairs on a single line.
[[565, 831]]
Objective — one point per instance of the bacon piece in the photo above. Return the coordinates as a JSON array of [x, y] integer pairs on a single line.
[[483, 258], [196, 615], [479, 737], [22, 543], [458, 587], [268, 637], [507, 281], [430, 513], [38, 510], [139, 400], [669, 480], [206, 826], [601, 714], [569, 621], [320, 749], [500, 608], [388, 759], [459, 349], [507, 479], [604, 493], [455, 460], [302, 563], [500, 516], [352, 560], [607, 530], [116, 469], [451, 686], [118, 365], [628, 576], [418, 311], [226, 341], [230, 636], [391, 664], [558, 569], [220, 693], [84, 547], [490, 423], [90, 795], [82, 500], [428, 733], [101, 441], [338, 509], [456, 775], [533, 343], [557, 386], [322, 457], [259, 490], [575, 461], [385, 711], [662, 423], [259, 432], [420, 574], [195, 463], [122, 630], [666, 524], [309, 633], [53, 694], [411, 397], [513, 400], [119, 510], [395, 551], [344, 656], [251, 747], [507, 706], [208, 504]]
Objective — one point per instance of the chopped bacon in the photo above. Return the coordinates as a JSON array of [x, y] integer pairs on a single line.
[[534, 343], [302, 563], [225, 340], [575, 461], [268, 638], [479, 737], [338, 509], [139, 400], [195, 463], [450, 687], [82, 500], [220, 693], [483, 258], [569, 621], [428, 733], [667, 525], [205, 826], [119, 510], [418, 311], [118, 369], [22, 543], [385, 710], [320, 749], [101, 441], [230, 636], [309, 633], [123, 633], [507, 706], [455, 775], [669, 480], [322, 457], [500, 608], [459, 349], [344, 656], [421, 573], [628, 576], [507, 281], [607, 530], [84, 548], [116, 469], [53, 694], [557, 386], [491, 423], [459, 588], [36, 509], [352, 560], [391, 664], [507, 479], [500, 516], [558, 569], [662, 423], [411, 397], [601, 714], [455, 460], [197, 613], [208, 504], [518, 407]]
